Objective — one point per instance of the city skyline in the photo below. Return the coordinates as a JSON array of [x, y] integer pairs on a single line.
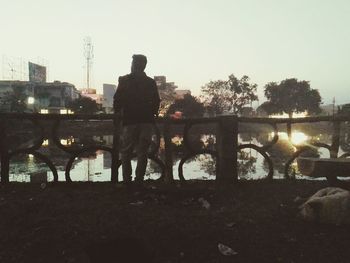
[[189, 43]]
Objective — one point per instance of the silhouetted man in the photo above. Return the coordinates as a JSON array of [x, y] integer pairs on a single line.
[[136, 103]]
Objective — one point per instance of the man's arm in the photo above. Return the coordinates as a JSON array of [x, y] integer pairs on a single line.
[[118, 96]]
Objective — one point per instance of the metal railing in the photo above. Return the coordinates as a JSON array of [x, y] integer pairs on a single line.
[[225, 151]]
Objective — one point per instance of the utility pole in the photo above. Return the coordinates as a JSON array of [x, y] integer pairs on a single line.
[[333, 105]]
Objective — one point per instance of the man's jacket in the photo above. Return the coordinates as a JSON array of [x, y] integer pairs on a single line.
[[136, 99]]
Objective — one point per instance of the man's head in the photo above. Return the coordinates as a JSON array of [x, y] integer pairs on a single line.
[[139, 63]]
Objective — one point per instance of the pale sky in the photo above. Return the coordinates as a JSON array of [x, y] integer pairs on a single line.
[[189, 41]]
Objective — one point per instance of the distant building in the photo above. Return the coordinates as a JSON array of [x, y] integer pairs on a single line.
[[160, 81], [180, 93], [42, 97], [170, 85], [108, 94], [91, 93], [9, 87], [54, 97], [343, 109], [163, 85], [329, 109]]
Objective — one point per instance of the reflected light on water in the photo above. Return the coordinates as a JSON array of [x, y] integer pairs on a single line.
[[286, 116], [297, 137]]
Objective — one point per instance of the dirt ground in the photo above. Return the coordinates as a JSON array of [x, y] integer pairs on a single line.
[[101, 222]]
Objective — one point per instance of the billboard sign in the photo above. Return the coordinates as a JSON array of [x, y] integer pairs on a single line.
[[37, 73]]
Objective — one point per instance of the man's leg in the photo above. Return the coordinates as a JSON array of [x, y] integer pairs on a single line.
[[127, 144], [144, 141]]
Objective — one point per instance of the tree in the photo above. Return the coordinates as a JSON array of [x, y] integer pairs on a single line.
[[229, 95], [291, 96], [167, 96], [188, 105], [83, 105]]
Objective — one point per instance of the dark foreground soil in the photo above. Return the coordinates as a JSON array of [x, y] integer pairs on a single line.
[[99, 222]]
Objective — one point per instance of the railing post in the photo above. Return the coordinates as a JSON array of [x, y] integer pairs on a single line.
[[227, 139], [335, 139], [4, 155], [168, 151]]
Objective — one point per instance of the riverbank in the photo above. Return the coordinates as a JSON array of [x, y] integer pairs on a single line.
[[71, 223]]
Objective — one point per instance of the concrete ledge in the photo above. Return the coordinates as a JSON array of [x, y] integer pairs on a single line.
[[324, 167]]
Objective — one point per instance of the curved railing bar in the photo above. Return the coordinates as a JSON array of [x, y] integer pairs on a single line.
[[40, 156], [38, 116], [191, 152], [344, 155], [74, 156], [262, 151], [291, 160], [95, 148], [188, 124], [321, 145], [303, 149], [189, 156]]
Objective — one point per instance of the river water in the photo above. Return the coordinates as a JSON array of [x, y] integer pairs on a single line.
[[96, 167]]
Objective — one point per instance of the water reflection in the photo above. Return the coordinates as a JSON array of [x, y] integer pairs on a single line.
[[297, 137], [95, 166]]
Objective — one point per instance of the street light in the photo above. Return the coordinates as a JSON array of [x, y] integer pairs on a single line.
[[31, 100]]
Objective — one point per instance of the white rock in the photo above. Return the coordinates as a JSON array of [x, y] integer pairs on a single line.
[[204, 203], [330, 205], [226, 251]]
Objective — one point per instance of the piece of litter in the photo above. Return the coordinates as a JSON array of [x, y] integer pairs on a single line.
[[204, 203], [137, 203], [42, 185], [232, 224], [226, 251]]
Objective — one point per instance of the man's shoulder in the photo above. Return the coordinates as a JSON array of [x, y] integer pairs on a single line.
[[129, 77], [150, 80], [124, 78]]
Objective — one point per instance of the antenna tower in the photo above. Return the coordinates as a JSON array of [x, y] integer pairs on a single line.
[[12, 68], [89, 55]]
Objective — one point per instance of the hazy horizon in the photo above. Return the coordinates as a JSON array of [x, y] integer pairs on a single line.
[[190, 42]]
